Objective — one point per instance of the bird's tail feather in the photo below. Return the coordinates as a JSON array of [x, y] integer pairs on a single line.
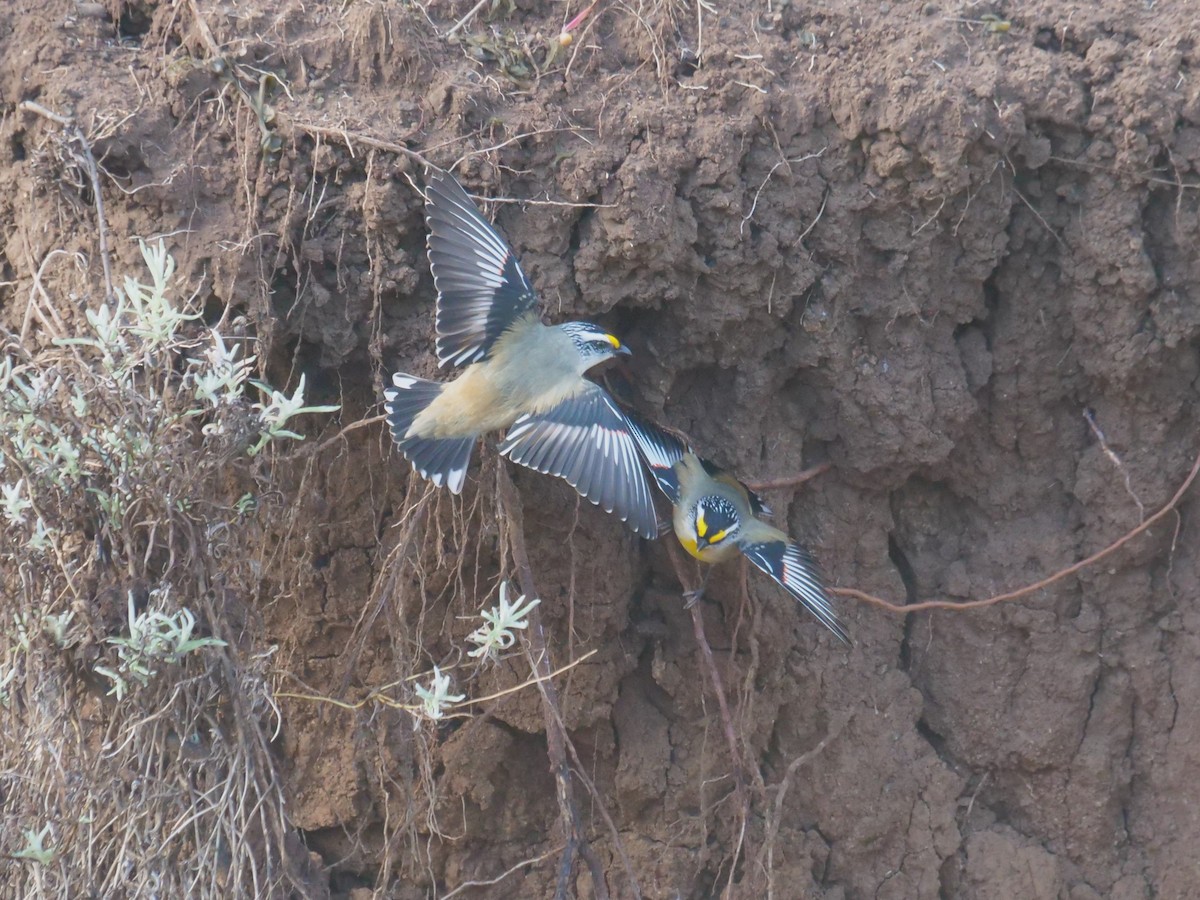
[[443, 461]]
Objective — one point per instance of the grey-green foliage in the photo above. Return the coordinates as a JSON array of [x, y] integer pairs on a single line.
[[133, 453], [123, 429], [155, 638]]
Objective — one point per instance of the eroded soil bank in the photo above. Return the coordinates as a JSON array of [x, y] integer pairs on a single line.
[[922, 242]]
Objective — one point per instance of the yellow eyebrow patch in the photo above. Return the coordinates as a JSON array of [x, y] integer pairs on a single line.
[[701, 525], [612, 340], [719, 536]]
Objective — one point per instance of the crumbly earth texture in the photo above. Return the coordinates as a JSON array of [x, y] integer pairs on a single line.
[[947, 248]]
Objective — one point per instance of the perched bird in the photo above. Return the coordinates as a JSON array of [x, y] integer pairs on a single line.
[[715, 517], [519, 373]]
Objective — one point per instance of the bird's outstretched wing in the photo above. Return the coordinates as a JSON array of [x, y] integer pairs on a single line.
[[586, 440], [481, 288], [791, 566], [662, 450]]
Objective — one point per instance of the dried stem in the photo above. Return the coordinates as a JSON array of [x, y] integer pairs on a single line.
[[314, 449], [465, 19], [709, 663], [84, 156], [556, 734]]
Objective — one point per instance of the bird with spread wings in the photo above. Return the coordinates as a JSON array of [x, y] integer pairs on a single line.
[[519, 375]]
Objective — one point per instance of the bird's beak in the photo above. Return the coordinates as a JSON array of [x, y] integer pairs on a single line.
[[701, 543], [622, 350]]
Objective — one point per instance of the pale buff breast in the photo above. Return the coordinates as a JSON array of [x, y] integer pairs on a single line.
[[532, 369], [469, 405]]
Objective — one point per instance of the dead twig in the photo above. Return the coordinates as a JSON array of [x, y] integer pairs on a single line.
[[379, 695], [465, 19], [350, 138], [84, 156], [206, 35], [1038, 585]]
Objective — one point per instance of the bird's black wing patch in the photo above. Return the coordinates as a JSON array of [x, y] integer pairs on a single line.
[[792, 567], [481, 288], [662, 450], [758, 506], [586, 440]]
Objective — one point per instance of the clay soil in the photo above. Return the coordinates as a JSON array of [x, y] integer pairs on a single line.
[[948, 248]]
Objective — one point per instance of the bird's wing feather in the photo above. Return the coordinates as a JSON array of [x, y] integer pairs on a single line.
[[792, 567], [662, 450], [586, 440], [481, 288]]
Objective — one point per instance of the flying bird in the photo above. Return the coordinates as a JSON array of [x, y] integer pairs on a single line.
[[716, 517], [520, 374]]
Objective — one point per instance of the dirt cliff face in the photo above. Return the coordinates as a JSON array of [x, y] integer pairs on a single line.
[[950, 253]]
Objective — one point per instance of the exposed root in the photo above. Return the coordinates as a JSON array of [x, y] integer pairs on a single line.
[[791, 481], [709, 664], [754, 203], [499, 878], [1120, 542], [315, 449], [766, 853]]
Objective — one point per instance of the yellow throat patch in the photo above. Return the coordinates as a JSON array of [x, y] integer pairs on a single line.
[[689, 544]]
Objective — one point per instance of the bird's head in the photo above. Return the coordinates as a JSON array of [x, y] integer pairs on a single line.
[[715, 521], [593, 343]]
